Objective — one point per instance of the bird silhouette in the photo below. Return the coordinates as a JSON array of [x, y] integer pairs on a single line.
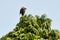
[[22, 11]]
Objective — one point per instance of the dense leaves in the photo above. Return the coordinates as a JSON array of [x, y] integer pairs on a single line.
[[33, 28]]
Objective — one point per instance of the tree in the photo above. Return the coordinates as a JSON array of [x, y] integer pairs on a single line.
[[33, 28]]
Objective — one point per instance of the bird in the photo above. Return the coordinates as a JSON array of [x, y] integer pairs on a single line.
[[22, 10]]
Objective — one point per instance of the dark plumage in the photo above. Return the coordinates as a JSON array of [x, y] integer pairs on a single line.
[[22, 10]]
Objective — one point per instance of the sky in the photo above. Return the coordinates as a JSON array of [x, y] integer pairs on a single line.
[[9, 12]]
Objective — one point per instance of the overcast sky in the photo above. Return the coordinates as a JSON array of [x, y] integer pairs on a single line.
[[9, 12]]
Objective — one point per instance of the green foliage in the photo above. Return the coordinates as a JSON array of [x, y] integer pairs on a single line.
[[33, 28]]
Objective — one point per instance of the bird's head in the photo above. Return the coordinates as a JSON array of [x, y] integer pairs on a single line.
[[24, 8]]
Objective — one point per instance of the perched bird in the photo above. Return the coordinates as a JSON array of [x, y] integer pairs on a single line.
[[22, 10]]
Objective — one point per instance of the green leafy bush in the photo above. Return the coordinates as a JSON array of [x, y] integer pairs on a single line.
[[33, 28]]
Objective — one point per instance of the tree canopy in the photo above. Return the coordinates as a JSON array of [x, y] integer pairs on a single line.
[[33, 28]]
